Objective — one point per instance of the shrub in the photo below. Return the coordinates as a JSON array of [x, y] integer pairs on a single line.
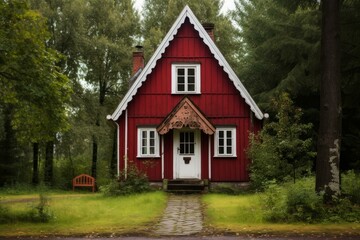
[[299, 202], [135, 181], [40, 212], [283, 148], [274, 202], [302, 202], [4, 214], [350, 184]]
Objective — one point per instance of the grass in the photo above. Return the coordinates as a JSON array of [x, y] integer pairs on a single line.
[[91, 214], [243, 215]]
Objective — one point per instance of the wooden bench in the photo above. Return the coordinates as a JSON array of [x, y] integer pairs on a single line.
[[84, 180]]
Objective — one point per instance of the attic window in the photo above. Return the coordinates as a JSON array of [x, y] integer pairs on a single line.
[[185, 79]]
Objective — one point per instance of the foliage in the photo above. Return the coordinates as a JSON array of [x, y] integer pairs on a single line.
[[40, 212], [283, 149], [246, 215], [298, 202], [129, 182], [4, 214], [282, 53], [350, 186], [31, 83]]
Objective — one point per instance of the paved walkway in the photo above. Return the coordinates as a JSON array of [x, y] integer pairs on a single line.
[[183, 216]]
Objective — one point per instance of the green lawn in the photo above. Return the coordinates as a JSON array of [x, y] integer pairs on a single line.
[[93, 214], [242, 214], [88, 214]]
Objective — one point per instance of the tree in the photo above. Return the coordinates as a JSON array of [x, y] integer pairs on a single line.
[[350, 84], [111, 27], [279, 50], [33, 89], [284, 148], [329, 140]]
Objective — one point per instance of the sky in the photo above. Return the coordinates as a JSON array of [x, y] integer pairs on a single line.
[[228, 5]]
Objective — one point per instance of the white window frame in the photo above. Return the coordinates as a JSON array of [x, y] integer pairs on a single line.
[[140, 143], [174, 78], [233, 141]]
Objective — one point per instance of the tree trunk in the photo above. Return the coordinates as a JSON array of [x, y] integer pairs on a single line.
[[9, 157], [35, 177], [329, 140], [94, 158], [49, 158]]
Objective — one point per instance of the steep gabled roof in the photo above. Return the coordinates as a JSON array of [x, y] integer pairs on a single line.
[[186, 13]]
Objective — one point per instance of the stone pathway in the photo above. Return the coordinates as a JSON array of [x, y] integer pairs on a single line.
[[183, 216]]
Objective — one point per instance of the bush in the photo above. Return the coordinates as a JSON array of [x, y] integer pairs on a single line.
[[303, 204], [134, 182], [350, 185], [299, 202], [274, 202], [4, 214], [283, 148], [40, 212]]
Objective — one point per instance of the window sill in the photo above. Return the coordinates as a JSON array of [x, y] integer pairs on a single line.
[[186, 93], [225, 156], [148, 156]]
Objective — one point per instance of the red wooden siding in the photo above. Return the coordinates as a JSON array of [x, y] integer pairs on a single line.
[[219, 100]]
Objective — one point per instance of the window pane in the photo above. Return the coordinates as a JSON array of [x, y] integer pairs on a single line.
[[181, 80], [191, 137], [152, 150], [191, 72], [181, 87], [229, 150], [144, 134], [191, 80], [181, 71], [221, 150], [228, 142], [191, 87], [228, 134], [144, 142], [221, 142], [181, 137], [221, 134], [143, 150], [152, 142], [152, 134], [192, 148]]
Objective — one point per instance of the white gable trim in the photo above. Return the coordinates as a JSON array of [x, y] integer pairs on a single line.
[[186, 12]]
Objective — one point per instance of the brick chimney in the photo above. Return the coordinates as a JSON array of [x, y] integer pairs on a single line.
[[138, 59], [209, 27]]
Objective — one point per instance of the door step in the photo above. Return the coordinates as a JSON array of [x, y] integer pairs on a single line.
[[186, 186]]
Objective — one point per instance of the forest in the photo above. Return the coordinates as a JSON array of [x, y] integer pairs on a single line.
[[65, 65]]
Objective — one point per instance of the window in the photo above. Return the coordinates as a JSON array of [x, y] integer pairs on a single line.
[[185, 78], [187, 143], [225, 142], [148, 142]]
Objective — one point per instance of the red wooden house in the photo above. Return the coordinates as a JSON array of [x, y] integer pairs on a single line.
[[186, 114]]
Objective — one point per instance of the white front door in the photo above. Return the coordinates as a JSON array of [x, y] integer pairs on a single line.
[[187, 154]]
